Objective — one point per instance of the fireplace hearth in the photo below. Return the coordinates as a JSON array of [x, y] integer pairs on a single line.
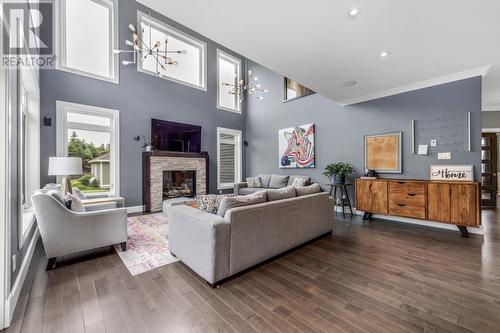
[[179, 183]]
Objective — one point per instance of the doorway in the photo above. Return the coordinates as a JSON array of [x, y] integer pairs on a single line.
[[489, 169]]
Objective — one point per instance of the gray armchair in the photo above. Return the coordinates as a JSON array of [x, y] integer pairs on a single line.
[[64, 231]]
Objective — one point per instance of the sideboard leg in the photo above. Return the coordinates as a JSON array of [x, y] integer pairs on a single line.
[[463, 230], [367, 216]]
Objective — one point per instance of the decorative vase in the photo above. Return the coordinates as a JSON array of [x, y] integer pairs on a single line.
[[338, 180]]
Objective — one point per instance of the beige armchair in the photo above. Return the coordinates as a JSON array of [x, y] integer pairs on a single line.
[[64, 231]]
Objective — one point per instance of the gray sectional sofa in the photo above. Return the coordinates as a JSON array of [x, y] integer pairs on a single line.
[[268, 182], [217, 247]]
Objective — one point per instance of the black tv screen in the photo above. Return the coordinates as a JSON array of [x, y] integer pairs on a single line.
[[171, 136]]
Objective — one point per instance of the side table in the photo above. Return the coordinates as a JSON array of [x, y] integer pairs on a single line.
[[343, 198]]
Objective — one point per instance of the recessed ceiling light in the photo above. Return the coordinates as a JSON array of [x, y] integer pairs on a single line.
[[349, 83], [385, 54], [354, 12]]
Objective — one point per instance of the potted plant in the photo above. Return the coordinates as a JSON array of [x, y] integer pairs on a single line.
[[146, 143], [338, 172]]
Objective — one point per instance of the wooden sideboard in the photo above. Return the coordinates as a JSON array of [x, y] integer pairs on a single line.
[[450, 202]]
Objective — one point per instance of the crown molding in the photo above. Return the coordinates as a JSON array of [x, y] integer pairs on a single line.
[[479, 71], [491, 108]]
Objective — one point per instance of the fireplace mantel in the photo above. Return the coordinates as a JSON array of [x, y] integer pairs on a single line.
[[153, 165]]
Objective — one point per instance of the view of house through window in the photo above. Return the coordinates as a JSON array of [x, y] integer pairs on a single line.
[[89, 133]]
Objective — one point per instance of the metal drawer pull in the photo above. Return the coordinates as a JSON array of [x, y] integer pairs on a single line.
[[411, 194], [400, 205]]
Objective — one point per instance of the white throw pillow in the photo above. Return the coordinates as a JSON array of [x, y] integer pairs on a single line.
[[74, 203], [58, 196], [78, 193]]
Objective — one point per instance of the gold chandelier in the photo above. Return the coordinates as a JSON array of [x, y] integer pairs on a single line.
[[160, 55]]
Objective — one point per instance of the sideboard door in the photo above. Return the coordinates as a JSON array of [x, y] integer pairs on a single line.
[[438, 202], [463, 205], [371, 196]]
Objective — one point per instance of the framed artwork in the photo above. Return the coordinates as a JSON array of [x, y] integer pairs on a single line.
[[383, 152], [296, 147], [452, 172], [294, 90]]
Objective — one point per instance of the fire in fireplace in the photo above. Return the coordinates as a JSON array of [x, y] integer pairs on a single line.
[[179, 184]]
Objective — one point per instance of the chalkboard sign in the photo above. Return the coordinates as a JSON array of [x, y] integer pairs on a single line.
[[452, 172]]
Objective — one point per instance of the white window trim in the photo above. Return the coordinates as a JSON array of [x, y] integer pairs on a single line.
[[60, 37], [63, 108], [179, 35], [237, 61], [238, 174]]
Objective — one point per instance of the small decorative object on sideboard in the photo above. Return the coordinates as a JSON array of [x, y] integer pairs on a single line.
[[452, 172], [338, 172], [146, 142], [369, 174]]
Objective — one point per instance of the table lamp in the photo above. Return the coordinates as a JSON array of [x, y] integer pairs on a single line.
[[65, 166]]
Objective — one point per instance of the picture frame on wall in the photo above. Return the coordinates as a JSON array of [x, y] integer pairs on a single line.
[[296, 147], [293, 90], [464, 173], [383, 152]]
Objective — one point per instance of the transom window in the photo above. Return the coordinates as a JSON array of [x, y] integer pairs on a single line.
[[92, 134], [229, 156], [190, 68], [87, 35], [228, 76]]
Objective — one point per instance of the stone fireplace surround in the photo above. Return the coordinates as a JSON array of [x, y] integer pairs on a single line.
[[154, 163]]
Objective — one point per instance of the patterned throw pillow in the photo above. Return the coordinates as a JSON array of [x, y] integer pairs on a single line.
[[210, 202], [254, 182], [300, 181]]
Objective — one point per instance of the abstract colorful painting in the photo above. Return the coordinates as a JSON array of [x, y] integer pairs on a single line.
[[296, 147]]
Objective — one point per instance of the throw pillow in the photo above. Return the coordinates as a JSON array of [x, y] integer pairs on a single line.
[[74, 203], [254, 182], [300, 181], [282, 193], [278, 181], [305, 190], [265, 179], [79, 194], [242, 200], [58, 196], [210, 202]]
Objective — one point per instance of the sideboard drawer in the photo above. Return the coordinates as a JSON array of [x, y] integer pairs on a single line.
[[406, 210], [408, 187]]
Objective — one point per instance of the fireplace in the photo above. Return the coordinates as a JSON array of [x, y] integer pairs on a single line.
[[179, 183]]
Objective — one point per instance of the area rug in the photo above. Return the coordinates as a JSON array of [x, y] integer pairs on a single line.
[[147, 244]]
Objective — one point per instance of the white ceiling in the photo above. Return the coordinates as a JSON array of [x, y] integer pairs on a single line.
[[317, 44]]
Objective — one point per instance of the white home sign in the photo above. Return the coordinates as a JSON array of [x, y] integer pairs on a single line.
[[452, 172]]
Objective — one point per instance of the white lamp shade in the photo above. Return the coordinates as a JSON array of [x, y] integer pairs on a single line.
[[65, 166]]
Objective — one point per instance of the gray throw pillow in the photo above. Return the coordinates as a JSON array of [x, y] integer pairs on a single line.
[[280, 194], [58, 196], [265, 179], [254, 182], [79, 194], [300, 181], [74, 203], [241, 200], [305, 190], [278, 181]]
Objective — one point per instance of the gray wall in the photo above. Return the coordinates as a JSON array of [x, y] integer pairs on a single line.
[[340, 130], [491, 119], [139, 97]]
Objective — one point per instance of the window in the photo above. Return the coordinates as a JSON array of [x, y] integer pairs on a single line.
[[191, 67], [228, 72], [228, 157], [91, 133], [28, 147], [87, 34]]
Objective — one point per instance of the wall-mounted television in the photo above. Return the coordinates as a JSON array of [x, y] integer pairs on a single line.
[[171, 136]]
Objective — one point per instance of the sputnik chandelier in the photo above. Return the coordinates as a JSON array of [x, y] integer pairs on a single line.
[[239, 88], [160, 55]]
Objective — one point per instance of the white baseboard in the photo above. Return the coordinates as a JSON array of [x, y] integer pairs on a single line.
[[479, 231], [10, 304], [135, 209]]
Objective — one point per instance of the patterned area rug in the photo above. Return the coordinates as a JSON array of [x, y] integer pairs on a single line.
[[147, 244]]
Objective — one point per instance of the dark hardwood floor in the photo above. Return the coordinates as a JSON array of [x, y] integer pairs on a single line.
[[366, 277]]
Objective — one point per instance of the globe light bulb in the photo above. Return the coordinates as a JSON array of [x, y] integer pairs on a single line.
[[117, 51], [132, 28], [129, 43]]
